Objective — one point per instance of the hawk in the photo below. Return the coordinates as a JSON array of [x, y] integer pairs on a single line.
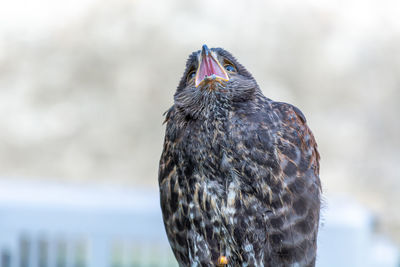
[[239, 173]]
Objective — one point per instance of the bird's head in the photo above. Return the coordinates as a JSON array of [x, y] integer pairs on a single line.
[[212, 74]]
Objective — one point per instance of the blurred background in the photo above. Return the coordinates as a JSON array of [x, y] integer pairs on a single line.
[[84, 84]]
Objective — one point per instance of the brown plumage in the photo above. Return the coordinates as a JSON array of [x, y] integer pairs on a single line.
[[239, 173]]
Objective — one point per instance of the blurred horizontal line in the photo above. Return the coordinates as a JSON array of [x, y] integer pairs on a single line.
[[38, 193]]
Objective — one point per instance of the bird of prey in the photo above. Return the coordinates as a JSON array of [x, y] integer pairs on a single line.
[[239, 173]]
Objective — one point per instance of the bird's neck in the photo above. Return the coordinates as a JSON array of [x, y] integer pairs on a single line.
[[203, 106]]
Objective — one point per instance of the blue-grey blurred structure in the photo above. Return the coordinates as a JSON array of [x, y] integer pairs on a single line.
[[53, 225]]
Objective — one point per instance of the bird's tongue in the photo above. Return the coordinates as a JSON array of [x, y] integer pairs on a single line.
[[208, 67]]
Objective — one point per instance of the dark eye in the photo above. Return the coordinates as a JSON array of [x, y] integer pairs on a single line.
[[230, 68], [191, 75]]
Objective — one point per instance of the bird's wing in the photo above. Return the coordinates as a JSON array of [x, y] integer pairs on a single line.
[[293, 225], [280, 190], [175, 221], [296, 144]]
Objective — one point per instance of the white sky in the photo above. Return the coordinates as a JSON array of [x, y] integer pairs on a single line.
[[38, 16]]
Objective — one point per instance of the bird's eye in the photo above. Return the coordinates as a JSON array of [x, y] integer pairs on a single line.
[[191, 75], [229, 67]]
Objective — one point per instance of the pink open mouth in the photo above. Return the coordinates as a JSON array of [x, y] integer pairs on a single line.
[[210, 68]]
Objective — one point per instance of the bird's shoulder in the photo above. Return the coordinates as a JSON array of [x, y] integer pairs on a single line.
[[264, 120], [288, 112], [276, 140], [295, 143], [294, 129]]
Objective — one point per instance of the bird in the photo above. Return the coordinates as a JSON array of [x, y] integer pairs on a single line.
[[239, 173]]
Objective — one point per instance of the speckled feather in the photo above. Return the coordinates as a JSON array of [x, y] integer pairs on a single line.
[[238, 176]]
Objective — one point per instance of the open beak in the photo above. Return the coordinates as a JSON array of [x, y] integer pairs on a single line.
[[209, 68]]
